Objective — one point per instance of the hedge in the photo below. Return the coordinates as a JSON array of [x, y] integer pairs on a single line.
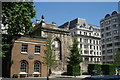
[[73, 70], [108, 69], [104, 69], [93, 67]]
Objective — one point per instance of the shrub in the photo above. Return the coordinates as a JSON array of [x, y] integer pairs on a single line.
[[92, 68], [73, 70], [108, 69]]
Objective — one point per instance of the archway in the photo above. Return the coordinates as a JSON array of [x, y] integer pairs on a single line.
[[57, 49]]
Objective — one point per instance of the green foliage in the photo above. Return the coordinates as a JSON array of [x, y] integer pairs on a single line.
[[117, 58], [73, 70], [104, 69], [17, 15], [108, 69], [75, 58], [92, 67], [6, 45], [2, 54], [49, 56]]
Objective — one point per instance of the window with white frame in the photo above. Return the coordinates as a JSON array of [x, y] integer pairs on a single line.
[[23, 66], [24, 48], [80, 39], [37, 66], [37, 49], [86, 40]]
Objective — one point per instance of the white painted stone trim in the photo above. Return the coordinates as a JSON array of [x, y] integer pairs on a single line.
[[22, 73], [18, 41]]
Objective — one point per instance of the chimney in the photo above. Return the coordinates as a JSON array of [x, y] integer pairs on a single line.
[[37, 21], [54, 23]]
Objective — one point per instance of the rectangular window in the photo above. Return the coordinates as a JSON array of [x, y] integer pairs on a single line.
[[104, 57], [117, 43], [89, 34], [102, 40], [37, 49], [80, 32], [103, 52], [96, 42], [90, 41], [93, 41], [97, 48], [24, 48], [102, 35], [103, 46], [80, 45], [86, 59], [94, 47], [90, 46], [86, 51], [86, 40], [110, 57], [109, 39], [85, 46], [115, 31], [109, 51], [108, 34], [91, 51], [109, 45], [116, 37], [114, 20], [107, 22], [80, 39], [115, 26], [101, 24], [108, 28], [102, 30]]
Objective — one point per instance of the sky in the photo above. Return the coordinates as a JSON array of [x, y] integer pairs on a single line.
[[61, 12]]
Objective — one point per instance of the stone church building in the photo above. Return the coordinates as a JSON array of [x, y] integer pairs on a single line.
[[61, 40]]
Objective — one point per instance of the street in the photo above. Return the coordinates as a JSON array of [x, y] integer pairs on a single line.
[[41, 79]]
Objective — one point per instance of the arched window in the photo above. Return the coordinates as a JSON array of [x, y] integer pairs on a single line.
[[57, 49], [23, 67], [36, 66]]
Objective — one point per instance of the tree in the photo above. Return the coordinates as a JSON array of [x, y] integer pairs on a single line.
[[17, 16], [16, 20], [117, 60], [49, 56], [75, 58]]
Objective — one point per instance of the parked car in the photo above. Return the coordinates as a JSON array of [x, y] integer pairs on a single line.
[[85, 73], [113, 77]]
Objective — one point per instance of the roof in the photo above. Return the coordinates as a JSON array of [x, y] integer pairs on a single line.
[[49, 26], [32, 37]]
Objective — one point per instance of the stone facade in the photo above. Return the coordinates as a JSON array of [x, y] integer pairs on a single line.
[[25, 61], [61, 40]]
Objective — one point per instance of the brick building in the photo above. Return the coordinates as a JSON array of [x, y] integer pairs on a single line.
[[27, 57]]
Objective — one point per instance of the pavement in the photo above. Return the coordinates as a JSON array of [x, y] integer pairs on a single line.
[[52, 77], [63, 76]]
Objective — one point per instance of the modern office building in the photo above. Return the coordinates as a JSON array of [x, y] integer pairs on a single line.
[[88, 37], [110, 36]]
